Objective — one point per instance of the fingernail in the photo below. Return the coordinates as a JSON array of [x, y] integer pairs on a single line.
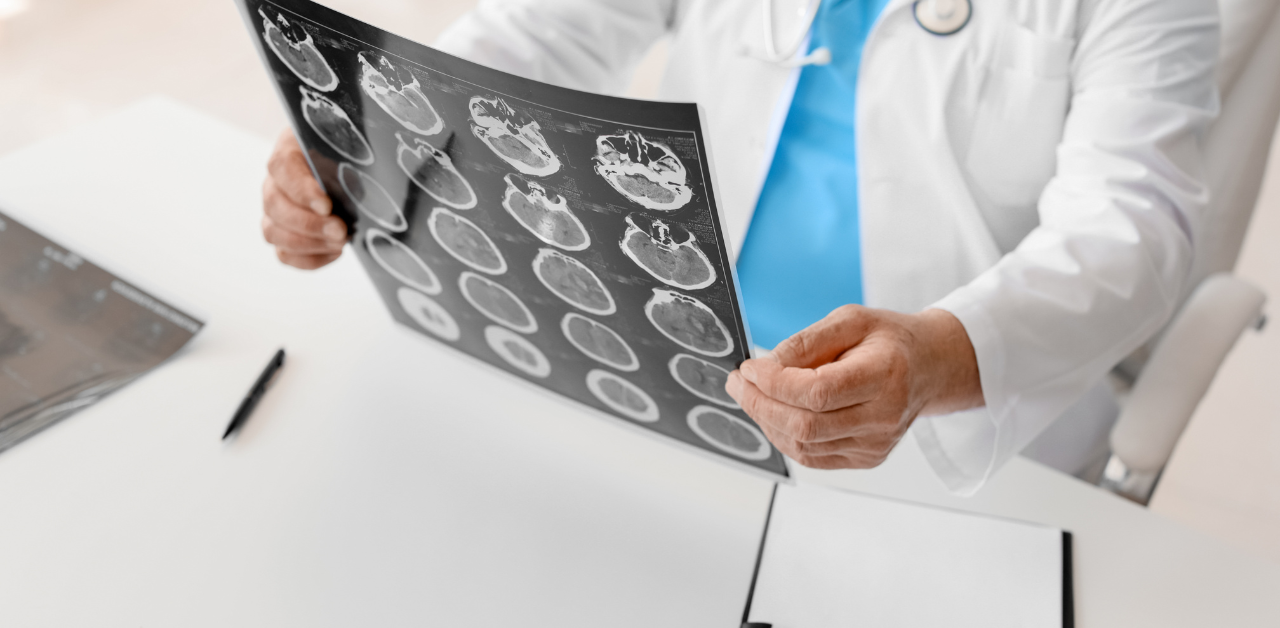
[[320, 207], [748, 371], [733, 385], [335, 231]]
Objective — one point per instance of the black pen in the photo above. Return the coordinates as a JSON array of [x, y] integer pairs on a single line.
[[255, 394]]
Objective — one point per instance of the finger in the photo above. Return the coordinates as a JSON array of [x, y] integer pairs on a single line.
[[305, 262], [288, 168], [733, 386], [795, 423], [780, 441], [841, 462], [845, 460], [846, 382], [825, 340], [294, 243], [853, 446], [293, 217]]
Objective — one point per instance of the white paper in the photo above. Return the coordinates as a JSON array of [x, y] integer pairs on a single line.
[[833, 558]]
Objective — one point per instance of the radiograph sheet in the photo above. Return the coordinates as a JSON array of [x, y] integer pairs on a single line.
[[569, 239], [71, 332]]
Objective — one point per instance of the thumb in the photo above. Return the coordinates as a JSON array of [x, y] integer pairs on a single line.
[[291, 173], [826, 340]]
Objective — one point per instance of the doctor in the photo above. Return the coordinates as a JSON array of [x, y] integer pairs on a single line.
[[954, 216]]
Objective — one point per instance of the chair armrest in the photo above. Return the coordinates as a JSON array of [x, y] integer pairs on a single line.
[[1181, 369]]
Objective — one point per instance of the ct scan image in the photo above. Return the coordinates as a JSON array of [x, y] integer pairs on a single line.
[[569, 239]]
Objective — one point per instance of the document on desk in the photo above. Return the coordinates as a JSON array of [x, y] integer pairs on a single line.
[[71, 333], [569, 239], [835, 558]]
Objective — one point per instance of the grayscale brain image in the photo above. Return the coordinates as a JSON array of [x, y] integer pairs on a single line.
[[405, 102], [331, 124], [571, 240]]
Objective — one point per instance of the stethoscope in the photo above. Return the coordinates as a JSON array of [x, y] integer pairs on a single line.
[[940, 17]]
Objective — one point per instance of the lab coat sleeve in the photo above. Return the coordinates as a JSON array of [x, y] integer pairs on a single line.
[[1105, 268], [591, 45]]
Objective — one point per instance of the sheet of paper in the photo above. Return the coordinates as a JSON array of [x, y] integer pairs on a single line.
[[71, 333], [570, 239], [833, 558]]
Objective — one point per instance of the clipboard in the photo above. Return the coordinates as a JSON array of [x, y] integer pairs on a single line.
[[823, 552]]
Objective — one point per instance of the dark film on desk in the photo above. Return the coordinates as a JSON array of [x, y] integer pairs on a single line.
[[71, 333], [569, 239]]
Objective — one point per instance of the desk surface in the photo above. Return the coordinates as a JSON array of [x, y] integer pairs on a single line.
[[386, 481]]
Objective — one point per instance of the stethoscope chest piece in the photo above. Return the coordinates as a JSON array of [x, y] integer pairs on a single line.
[[942, 17]]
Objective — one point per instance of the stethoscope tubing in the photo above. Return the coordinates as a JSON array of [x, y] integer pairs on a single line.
[[823, 56], [770, 42]]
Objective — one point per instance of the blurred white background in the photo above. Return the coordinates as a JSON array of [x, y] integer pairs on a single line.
[[63, 62], [67, 62]]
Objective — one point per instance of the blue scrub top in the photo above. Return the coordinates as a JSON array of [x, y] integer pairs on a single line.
[[802, 256]]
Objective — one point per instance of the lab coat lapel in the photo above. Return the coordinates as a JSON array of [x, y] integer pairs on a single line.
[[922, 233], [763, 117]]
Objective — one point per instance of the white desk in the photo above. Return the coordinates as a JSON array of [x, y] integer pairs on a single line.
[[386, 481]]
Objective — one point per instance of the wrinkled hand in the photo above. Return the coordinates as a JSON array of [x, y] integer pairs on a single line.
[[842, 393], [297, 215]]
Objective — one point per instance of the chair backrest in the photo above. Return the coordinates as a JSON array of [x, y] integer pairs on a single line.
[[1188, 353], [1237, 144]]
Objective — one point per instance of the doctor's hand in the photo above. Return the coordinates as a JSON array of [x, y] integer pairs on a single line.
[[297, 215], [842, 393]]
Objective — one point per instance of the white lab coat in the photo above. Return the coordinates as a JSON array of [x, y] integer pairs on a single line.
[[1038, 173]]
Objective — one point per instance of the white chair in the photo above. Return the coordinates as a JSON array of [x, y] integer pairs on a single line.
[[1182, 361]]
